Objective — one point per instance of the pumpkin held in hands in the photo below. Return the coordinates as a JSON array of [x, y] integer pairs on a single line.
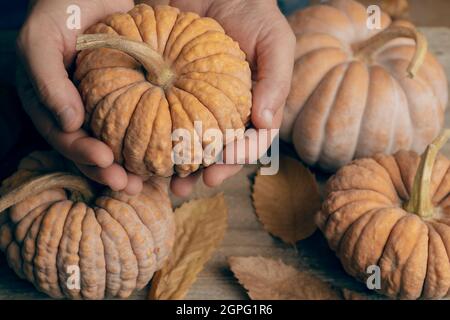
[[146, 73], [351, 96], [393, 212], [55, 227]]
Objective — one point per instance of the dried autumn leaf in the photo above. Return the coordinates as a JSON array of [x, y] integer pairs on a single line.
[[286, 203], [201, 226], [268, 279]]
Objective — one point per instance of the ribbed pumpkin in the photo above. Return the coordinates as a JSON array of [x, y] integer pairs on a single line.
[[156, 70], [54, 226], [351, 94], [393, 211]]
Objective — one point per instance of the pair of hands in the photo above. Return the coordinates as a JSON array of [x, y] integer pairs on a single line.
[[47, 49]]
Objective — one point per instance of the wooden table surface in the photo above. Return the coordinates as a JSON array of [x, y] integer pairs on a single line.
[[245, 236]]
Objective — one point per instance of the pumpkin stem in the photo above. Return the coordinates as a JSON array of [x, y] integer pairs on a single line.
[[420, 201], [158, 72], [81, 190], [366, 49]]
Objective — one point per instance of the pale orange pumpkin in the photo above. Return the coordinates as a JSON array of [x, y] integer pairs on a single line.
[[351, 94], [145, 74]]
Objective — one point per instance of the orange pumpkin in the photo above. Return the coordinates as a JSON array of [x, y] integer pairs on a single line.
[[393, 211], [156, 70], [71, 240], [351, 94]]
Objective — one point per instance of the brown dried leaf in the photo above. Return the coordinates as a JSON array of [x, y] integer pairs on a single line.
[[268, 279], [201, 226], [286, 203]]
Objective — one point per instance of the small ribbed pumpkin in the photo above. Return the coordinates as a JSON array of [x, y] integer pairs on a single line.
[[54, 223], [393, 211], [351, 94], [146, 73]]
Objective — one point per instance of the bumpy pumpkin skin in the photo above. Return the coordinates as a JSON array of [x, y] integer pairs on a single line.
[[136, 117], [340, 107], [117, 243], [364, 222]]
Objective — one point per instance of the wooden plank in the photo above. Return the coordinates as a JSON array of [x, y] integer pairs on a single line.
[[245, 236]]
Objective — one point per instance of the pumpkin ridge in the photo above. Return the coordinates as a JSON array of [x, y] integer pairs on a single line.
[[351, 188], [25, 223], [440, 179], [148, 158], [438, 202], [335, 228], [28, 255], [396, 86], [186, 75], [401, 189], [438, 227], [231, 87], [119, 22], [239, 66], [139, 29], [126, 146], [153, 240], [404, 173], [426, 262], [181, 120], [141, 10], [92, 288], [171, 40], [205, 122], [349, 105], [130, 229], [401, 267], [305, 37], [131, 151], [425, 88], [322, 130], [301, 69], [223, 93], [197, 89], [308, 15], [64, 255], [114, 281], [42, 265], [387, 179], [200, 103], [102, 108], [202, 21], [350, 20], [363, 115], [341, 194], [440, 270], [89, 102], [400, 216], [345, 249], [162, 14], [119, 116], [326, 48]]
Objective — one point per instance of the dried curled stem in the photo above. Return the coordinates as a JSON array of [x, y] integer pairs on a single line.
[[420, 201], [81, 189], [158, 72], [367, 48]]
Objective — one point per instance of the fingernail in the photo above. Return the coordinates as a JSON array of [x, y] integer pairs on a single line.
[[267, 116], [65, 117]]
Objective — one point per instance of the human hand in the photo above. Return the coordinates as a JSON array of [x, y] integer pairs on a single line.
[[47, 48], [266, 37]]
